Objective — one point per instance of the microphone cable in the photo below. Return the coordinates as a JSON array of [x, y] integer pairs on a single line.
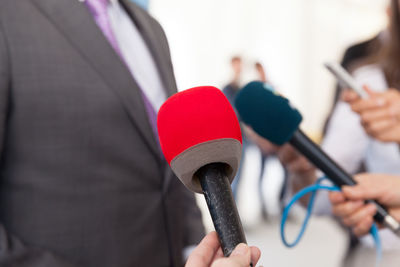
[[313, 190]]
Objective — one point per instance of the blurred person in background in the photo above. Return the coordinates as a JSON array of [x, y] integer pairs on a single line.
[[83, 180], [265, 153], [353, 148], [268, 154], [230, 90]]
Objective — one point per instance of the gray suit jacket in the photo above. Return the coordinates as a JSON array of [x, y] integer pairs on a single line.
[[82, 180]]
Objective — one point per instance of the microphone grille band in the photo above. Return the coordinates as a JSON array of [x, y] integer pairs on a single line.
[[186, 164]]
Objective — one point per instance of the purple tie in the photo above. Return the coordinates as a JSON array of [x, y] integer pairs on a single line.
[[98, 9]]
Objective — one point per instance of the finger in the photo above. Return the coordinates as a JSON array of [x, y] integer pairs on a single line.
[[390, 94], [363, 227], [255, 255], [376, 114], [336, 198], [380, 187], [347, 208], [358, 216], [353, 192], [394, 109], [391, 135], [380, 127], [362, 178], [218, 255], [240, 257], [368, 104], [365, 189], [204, 253], [349, 96]]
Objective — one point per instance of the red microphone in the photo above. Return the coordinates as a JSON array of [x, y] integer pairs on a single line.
[[200, 137]]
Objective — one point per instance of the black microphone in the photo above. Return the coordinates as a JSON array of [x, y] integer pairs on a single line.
[[217, 191], [200, 137], [272, 117]]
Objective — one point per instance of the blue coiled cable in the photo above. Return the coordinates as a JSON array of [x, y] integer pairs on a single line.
[[313, 190]]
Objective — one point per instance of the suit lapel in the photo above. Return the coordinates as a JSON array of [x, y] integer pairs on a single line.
[[75, 22]]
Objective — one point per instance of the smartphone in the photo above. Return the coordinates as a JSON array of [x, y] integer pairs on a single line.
[[345, 79]]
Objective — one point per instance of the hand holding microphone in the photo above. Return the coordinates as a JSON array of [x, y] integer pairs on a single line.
[[273, 118], [301, 171], [264, 145], [200, 137], [349, 205], [299, 168], [209, 254]]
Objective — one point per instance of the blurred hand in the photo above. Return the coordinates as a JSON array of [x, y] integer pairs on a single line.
[[350, 207], [289, 157], [379, 114], [294, 162], [301, 171], [209, 253], [265, 146]]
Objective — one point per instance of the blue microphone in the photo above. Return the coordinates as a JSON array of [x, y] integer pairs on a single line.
[[273, 117]]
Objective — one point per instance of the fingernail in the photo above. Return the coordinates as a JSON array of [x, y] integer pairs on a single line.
[[241, 249]]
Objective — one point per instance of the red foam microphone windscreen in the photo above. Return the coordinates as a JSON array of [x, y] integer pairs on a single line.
[[196, 127]]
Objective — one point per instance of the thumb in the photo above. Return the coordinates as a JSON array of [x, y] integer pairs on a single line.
[[353, 192], [361, 192], [241, 254], [240, 257], [367, 187]]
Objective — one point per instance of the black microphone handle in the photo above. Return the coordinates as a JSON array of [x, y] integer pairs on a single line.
[[333, 171], [218, 194]]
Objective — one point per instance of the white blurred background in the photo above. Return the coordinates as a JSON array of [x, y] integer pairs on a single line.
[[292, 39]]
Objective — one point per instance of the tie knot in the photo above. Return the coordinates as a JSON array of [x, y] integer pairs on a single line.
[[97, 7]]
